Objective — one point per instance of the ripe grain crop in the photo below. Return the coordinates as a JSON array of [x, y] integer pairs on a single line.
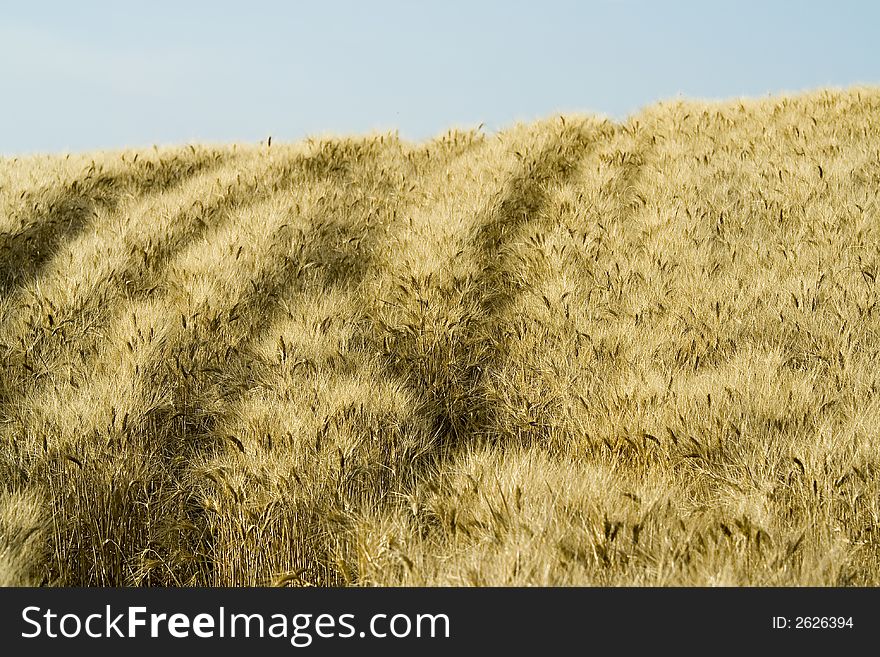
[[573, 352]]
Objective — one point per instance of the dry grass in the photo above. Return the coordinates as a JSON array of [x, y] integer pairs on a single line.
[[576, 352]]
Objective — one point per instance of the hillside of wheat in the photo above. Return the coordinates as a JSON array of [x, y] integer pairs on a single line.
[[574, 352]]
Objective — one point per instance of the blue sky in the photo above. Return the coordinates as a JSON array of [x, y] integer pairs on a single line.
[[84, 75]]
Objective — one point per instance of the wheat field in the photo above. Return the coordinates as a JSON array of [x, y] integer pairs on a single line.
[[576, 352]]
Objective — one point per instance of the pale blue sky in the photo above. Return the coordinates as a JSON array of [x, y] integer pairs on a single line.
[[83, 75]]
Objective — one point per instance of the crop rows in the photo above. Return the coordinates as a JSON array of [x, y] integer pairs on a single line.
[[574, 352]]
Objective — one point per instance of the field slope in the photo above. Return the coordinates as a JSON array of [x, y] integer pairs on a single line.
[[575, 352]]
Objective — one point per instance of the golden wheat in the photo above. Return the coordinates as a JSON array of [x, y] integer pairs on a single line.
[[574, 352]]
